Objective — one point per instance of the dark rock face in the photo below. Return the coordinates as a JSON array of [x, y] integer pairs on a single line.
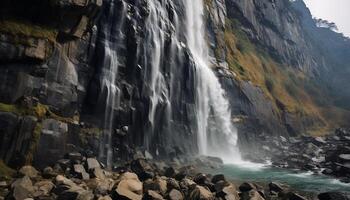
[[15, 137], [273, 25], [333, 196], [65, 70]]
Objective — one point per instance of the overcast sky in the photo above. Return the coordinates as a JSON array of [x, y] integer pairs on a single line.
[[337, 11]]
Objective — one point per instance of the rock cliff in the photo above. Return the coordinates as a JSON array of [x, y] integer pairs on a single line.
[[72, 69]]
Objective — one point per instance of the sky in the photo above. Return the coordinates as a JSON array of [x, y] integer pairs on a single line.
[[337, 11]]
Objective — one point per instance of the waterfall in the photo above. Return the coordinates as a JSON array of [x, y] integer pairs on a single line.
[[216, 134], [156, 27], [180, 100], [111, 93]]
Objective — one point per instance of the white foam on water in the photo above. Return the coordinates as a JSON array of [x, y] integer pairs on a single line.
[[302, 174]]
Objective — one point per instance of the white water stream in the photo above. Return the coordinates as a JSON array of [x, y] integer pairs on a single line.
[[216, 135], [109, 84], [219, 137]]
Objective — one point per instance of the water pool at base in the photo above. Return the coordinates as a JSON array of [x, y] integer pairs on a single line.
[[297, 180]]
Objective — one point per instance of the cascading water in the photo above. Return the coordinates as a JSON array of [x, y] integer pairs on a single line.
[[155, 39], [219, 137], [111, 34], [179, 99]]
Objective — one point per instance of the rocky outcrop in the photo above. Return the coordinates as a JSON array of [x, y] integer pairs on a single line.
[[277, 27], [327, 155]]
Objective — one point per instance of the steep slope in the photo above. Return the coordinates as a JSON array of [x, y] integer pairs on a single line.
[[269, 45]]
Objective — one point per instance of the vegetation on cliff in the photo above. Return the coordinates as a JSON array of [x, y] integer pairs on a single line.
[[20, 28], [289, 89]]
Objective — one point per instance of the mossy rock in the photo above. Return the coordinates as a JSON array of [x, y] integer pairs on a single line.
[[40, 111], [5, 171], [20, 28]]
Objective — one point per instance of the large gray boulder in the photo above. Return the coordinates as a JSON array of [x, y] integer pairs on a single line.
[[22, 188], [29, 171]]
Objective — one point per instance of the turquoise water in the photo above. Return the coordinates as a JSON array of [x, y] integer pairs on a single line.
[[301, 181]]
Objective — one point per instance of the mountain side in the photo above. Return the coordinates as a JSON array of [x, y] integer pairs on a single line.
[[74, 70]]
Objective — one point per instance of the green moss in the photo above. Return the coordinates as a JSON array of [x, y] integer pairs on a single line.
[[40, 111], [5, 171], [85, 133], [34, 142], [10, 108], [22, 28]]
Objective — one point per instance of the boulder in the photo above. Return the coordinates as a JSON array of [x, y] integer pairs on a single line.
[[22, 188], [311, 149], [43, 188], [319, 141], [153, 195], [275, 187], [105, 198], [148, 155], [75, 156], [344, 157], [200, 193], [92, 163], [99, 173], [175, 195], [334, 196], [80, 171], [227, 192], [48, 172], [28, 171], [3, 184], [101, 186], [142, 168], [170, 172], [63, 180], [129, 187], [67, 189], [220, 185], [200, 179], [157, 184], [246, 187], [184, 172], [172, 184], [251, 195], [76, 193], [295, 196], [217, 178]]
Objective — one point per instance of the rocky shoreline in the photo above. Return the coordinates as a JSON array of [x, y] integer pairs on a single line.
[[79, 177], [329, 155]]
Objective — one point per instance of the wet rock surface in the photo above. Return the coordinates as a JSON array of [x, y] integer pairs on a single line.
[[328, 155]]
